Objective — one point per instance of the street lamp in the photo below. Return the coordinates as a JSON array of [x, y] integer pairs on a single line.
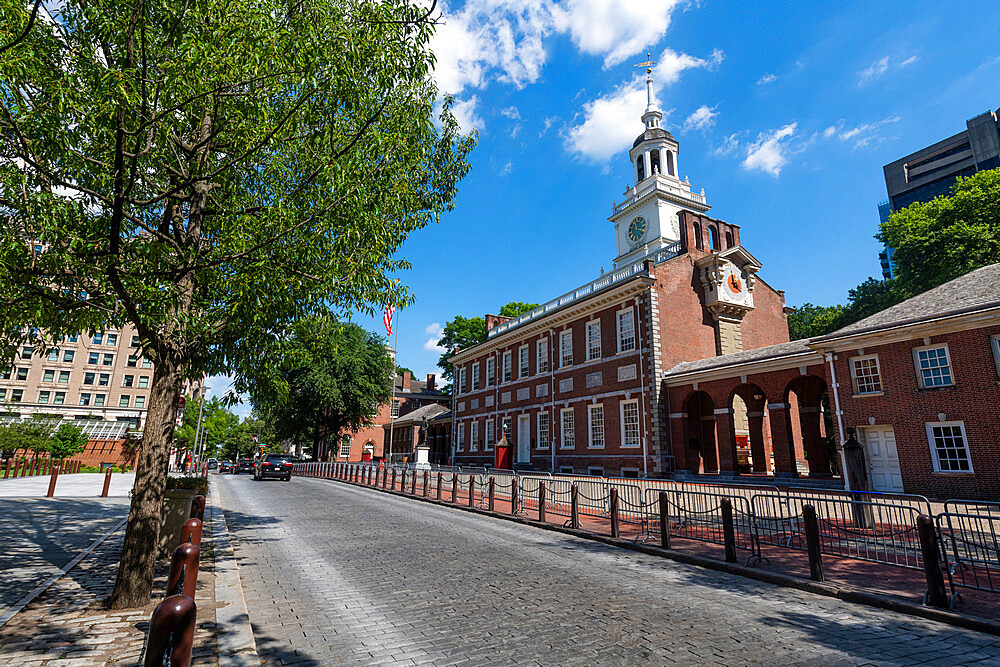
[[197, 433]]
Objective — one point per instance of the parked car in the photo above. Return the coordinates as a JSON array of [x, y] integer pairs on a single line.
[[212, 463], [227, 466], [274, 465], [243, 465]]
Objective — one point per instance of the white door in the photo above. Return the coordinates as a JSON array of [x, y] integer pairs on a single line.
[[524, 439], [883, 461]]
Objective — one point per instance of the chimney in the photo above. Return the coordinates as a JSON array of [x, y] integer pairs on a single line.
[[431, 386], [406, 381], [494, 320]]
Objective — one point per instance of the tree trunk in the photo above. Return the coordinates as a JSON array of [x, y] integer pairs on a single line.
[[134, 585]]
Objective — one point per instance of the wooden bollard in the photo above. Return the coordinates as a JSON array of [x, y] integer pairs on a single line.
[[183, 570], [574, 507], [6, 470], [427, 482], [393, 479], [413, 484], [472, 491], [811, 526], [937, 595], [513, 495], [107, 483], [454, 487], [664, 521], [439, 486], [493, 491], [53, 476], [728, 529], [614, 512], [541, 501], [191, 531]]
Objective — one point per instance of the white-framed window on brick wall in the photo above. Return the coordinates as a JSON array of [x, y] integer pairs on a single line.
[[565, 348], [593, 340], [626, 329], [474, 436], [488, 435], [933, 364], [567, 430], [394, 410], [491, 371], [505, 427], [949, 447], [865, 375], [506, 366], [595, 426], [995, 347], [543, 430], [475, 376], [542, 355], [461, 380], [522, 361], [460, 438], [630, 422]]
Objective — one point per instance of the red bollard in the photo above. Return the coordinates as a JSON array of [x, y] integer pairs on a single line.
[[413, 484], [198, 508], [183, 570], [171, 632], [6, 470], [393, 479], [472, 490], [427, 482], [439, 486], [191, 532], [107, 483], [52, 482], [454, 487], [493, 489]]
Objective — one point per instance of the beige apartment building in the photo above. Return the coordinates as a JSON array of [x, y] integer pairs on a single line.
[[97, 376]]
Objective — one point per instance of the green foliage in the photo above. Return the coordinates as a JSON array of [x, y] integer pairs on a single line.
[[810, 320], [329, 377], [403, 369], [30, 435], [218, 425], [195, 482], [866, 299], [67, 441], [463, 332], [942, 239]]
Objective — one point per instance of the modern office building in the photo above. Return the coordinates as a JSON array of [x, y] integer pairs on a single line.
[[931, 171]]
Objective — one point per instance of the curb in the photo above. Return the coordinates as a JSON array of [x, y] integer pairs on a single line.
[[845, 593], [236, 644]]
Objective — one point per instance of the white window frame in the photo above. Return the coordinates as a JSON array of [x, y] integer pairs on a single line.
[[543, 442], [140, 401], [920, 373], [566, 348], [474, 436], [488, 435], [995, 347], [43, 396], [460, 438], [523, 362], [619, 331], [855, 378], [542, 355], [475, 376], [563, 431], [507, 363], [505, 425], [595, 471], [394, 408], [593, 340], [491, 371], [934, 449], [624, 428], [591, 409], [566, 470]]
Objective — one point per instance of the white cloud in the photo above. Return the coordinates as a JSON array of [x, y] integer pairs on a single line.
[[465, 114], [611, 122], [728, 145], [507, 167], [768, 153], [767, 78], [880, 67], [614, 28], [829, 132], [702, 118], [435, 331], [908, 61], [864, 135]]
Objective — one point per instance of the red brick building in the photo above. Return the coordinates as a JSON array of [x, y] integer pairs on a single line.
[[919, 382], [576, 383]]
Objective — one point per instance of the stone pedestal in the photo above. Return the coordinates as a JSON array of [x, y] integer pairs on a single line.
[[423, 458]]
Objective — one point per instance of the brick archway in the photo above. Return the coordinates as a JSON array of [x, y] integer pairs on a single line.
[[807, 397]]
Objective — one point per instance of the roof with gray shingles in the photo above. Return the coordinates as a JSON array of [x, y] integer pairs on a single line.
[[736, 358]]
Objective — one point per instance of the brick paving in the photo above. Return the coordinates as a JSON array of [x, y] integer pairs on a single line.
[[335, 574]]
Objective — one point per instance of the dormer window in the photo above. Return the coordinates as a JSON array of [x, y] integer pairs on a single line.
[[640, 168], [654, 161]]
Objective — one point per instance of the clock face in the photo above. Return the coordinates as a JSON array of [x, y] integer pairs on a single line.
[[735, 286], [637, 229]]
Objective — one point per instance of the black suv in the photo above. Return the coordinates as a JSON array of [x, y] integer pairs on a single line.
[[274, 465], [243, 465]]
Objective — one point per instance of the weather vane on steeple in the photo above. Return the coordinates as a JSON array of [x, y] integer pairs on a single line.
[[649, 81], [648, 64]]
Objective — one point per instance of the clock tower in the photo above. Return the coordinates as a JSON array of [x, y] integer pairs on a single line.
[[647, 220]]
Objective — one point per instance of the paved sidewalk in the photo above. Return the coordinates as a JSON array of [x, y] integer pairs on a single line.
[[77, 485]]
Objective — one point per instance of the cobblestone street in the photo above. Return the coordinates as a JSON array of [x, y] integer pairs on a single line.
[[338, 574]]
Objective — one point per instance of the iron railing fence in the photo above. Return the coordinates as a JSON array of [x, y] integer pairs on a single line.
[[698, 515], [971, 549]]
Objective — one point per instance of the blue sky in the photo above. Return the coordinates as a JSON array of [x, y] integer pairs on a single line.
[[785, 114]]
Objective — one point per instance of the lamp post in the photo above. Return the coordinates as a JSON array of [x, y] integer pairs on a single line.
[[197, 432]]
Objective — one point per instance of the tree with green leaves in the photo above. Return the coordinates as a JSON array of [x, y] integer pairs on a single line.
[[217, 422], [463, 332], [67, 441], [936, 241], [32, 435], [210, 172], [331, 378]]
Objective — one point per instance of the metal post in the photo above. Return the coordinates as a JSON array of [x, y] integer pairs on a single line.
[[728, 530], [937, 595], [197, 431], [513, 496], [6, 470], [614, 512], [454, 487], [493, 488], [574, 507], [664, 521], [472, 490], [191, 531], [427, 482], [811, 526], [52, 481], [541, 501], [107, 483], [198, 508], [439, 487], [413, 484], [393, 479], [183, 570], [171, 632]]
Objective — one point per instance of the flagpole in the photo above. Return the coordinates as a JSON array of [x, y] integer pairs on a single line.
[[395, 365]]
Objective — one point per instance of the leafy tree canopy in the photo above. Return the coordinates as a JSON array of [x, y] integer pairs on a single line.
[[515, 308], [67, 441], [34, 436], [463, 332], [210, 172], [216, 427]]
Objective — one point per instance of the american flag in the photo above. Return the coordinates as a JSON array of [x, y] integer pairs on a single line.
[[389, 312]]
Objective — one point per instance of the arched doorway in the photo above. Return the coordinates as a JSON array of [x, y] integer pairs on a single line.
[[809, 410], [753, 446], [702, 452]]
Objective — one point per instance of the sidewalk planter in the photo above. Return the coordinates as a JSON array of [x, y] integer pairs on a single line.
[[175, 511]]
